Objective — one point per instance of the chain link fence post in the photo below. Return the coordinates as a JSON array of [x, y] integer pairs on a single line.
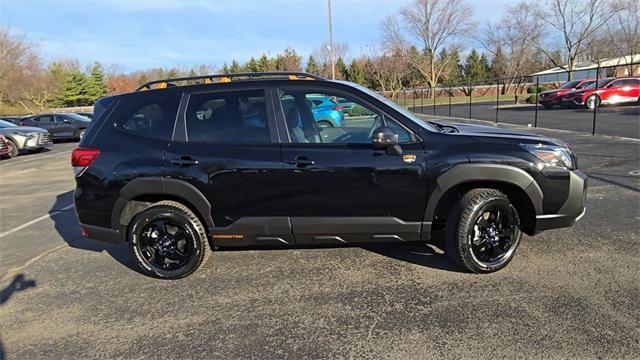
[[535, 119], [497, 98], [470, 98], [595, 102], [450, 94]]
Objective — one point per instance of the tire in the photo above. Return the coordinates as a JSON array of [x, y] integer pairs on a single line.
[[325, 124], [184, 248], [592, 102], [471, 243], [13, 149]]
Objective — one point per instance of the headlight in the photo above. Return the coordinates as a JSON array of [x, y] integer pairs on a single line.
[[26, 134], [551, 155]]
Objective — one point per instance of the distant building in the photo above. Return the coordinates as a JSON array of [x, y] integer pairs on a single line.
[[609, 67]]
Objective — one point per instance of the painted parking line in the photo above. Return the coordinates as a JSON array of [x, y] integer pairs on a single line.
[[27, 224], [35, 159]]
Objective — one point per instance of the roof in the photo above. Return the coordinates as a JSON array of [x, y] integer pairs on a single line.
[[590, 65]]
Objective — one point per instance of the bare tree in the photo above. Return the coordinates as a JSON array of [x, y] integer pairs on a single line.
[[389, 71], [18, 62], [431, 26], [576, 22], [519, 27], [626, 26], [323, 55]]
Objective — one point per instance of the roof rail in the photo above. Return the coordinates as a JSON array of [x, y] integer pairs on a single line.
[[223, 78]]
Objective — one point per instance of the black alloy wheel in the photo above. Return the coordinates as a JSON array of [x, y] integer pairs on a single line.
[[167, 240]]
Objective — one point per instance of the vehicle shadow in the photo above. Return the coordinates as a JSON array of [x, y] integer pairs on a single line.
[[19, 283], [67, 225]]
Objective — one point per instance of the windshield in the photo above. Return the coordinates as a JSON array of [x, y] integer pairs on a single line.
[[395, 106], [77, 117], [569, 85], [6, 124]]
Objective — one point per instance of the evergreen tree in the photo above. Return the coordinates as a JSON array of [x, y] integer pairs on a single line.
[[355, 73], [264, 64], [252, 65], [224, 69], [95, 85], [74, 89], [499, 65], [235, 67], [341, 69], [475, 70], [289, 60], [454, 72], [312, 66]]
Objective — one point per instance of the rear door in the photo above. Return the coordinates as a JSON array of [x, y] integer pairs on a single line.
[[226, 145], [64, 126], [48, 123], [341, 189]]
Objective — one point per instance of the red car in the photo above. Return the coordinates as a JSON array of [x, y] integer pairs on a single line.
[[611, 91], [5, 150], [550, 98]]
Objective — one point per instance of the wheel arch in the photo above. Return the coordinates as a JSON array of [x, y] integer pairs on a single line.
[[522, 190], [141, 192]]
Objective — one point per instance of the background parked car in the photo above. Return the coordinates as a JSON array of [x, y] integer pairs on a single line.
[[553, 97], [60, 125], [86, 114], [326, 112], [12, 119], [24, 138], [4, 148], [611, 91]]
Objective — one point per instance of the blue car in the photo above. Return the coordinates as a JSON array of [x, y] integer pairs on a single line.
[[326, 112]]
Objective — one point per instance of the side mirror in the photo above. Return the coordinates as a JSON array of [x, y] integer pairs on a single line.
[[385, 138]]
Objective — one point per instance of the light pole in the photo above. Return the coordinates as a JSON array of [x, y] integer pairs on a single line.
[[333, 63]]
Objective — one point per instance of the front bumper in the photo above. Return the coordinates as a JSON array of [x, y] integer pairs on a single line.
[[573, 208], [39, 141]]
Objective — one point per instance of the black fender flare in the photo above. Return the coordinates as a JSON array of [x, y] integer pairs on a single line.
[[466, 173], [173, 188]]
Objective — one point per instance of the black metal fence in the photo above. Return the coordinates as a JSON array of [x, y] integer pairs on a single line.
[[516, 101]]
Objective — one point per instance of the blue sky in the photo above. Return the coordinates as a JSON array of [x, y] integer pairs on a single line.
[[140, 34]]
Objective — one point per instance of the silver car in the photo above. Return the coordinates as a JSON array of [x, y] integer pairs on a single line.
[[26, 138]]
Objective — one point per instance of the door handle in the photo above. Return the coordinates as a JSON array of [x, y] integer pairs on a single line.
[[301, 161], [184, 161]]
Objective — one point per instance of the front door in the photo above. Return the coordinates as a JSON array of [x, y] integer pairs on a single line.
[[230, 153], [340, 189], [64, 126]]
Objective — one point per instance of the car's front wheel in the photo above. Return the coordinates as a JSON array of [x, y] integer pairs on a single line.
[[167, 240], [483, 231], [592, 102], [325, 124], [13, 148]]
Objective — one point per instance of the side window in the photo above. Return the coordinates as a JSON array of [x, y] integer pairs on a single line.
[[59, 119], [36, 119], [228, 117], [47, 119], [323, 118], [152, 117], [616, 83], [634, 82]]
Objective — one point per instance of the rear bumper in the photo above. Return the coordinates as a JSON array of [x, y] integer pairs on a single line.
[[102, 234], [573, 208]]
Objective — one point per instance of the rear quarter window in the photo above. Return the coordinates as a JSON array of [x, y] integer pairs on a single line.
[[150, 116]]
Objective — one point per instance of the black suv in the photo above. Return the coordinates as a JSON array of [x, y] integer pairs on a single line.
[[239, 160]]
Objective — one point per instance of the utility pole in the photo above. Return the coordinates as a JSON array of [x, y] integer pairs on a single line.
[[333, 63]]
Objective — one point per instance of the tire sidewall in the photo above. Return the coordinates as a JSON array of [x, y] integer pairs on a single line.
[[13, 149], [466, 230], [162, 212]]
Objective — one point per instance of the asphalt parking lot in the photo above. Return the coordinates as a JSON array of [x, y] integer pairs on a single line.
[[622, 121], [569, 293]]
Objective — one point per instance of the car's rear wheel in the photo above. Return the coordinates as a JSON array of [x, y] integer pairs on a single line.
[[167, 240], [13, 149], [592, 102], [483, 233], [325, 124]]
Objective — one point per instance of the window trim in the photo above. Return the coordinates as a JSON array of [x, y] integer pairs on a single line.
[[271, 124], [338, 92]]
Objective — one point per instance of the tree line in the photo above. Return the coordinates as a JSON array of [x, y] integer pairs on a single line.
[[424, 44]]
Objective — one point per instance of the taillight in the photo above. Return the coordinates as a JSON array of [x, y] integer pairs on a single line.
[[81, 158], [337, 108]]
